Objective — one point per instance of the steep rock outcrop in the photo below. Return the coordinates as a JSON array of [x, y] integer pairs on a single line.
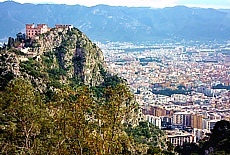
[[61, 56], [9, 68], [74, 53]]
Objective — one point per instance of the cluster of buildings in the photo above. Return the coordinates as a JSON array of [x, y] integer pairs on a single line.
[[32, 30], [188, 73]]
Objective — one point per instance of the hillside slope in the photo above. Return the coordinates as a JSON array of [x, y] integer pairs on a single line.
[[60, 56]]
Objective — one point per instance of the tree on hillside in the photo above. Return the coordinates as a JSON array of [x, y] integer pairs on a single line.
[[187, 149], [153, 137], [219, 138], [114, 109], [70, 110], [22, 115], [75, 121]]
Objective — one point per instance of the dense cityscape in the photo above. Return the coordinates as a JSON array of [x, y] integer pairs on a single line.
[[181, 87]]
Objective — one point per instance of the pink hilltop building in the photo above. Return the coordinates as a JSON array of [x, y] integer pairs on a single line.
[[32, 30]]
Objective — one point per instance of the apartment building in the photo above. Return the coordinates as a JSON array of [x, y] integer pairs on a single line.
[[181, 118], [197, 121]]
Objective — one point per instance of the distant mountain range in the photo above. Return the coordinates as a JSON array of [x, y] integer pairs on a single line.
[[112, 23]]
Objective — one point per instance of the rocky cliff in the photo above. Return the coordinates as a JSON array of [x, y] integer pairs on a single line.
[[60, 56]]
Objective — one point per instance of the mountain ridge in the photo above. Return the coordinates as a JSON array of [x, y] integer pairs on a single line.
[[116, 23]]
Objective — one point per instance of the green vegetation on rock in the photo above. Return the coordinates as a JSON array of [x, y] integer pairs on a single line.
[[60, 99], [32, 67]]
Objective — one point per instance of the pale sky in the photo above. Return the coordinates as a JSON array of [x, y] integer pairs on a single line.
[[146, 3]]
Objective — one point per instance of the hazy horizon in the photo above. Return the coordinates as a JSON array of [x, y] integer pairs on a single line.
[[223, 4]]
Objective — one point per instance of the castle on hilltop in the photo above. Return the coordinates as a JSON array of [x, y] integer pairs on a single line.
[[32, 30]]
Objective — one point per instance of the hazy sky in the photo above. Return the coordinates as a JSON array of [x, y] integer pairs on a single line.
[[147, 3]]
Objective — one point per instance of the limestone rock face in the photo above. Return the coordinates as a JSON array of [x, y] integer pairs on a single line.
[[9, 68], [60, 55]]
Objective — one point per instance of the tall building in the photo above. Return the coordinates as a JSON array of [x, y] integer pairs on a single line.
[[181, 118], [157, 111], [196, 121]]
